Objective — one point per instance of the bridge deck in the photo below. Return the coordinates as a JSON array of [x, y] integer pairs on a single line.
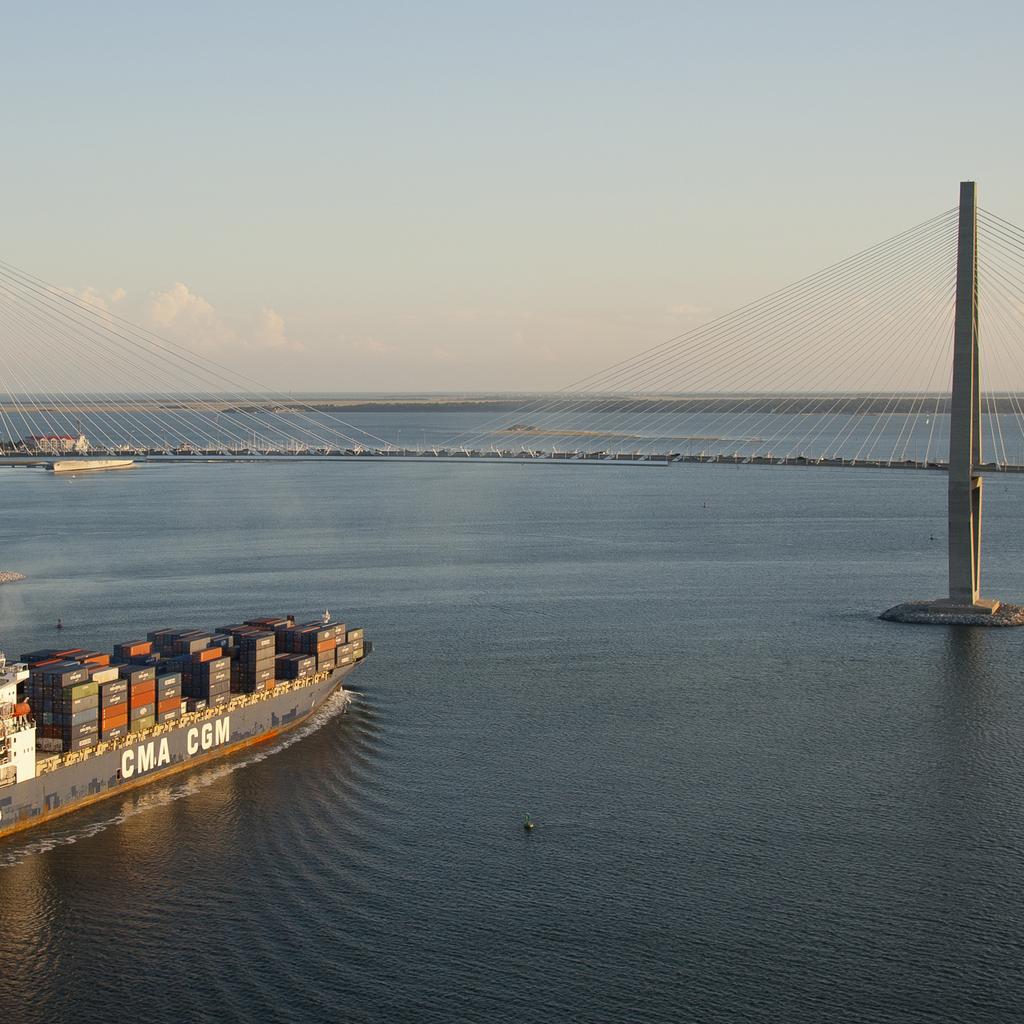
[[518, 458]]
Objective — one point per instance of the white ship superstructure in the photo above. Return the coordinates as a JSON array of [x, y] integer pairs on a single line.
[[17, 727]]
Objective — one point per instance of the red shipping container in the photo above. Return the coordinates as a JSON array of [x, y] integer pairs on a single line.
[[142, 695]]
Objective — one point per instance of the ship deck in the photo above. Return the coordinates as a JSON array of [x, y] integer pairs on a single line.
[[55, 762]]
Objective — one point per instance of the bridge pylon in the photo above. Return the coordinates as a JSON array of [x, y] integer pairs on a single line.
[[965, 483], [964, 603]]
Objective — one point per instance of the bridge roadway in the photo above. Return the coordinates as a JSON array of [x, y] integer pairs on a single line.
[[519, 458]]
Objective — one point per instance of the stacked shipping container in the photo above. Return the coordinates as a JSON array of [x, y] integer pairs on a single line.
[[80, 697], [113, 689], [141, 680], [168, 697], [252, 658], [65, 702], [314, 640]]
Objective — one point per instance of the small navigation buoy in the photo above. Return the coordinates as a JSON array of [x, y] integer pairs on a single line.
[[60, 625], [529, 825]]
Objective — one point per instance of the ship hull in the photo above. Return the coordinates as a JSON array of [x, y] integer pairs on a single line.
[[156, 755]]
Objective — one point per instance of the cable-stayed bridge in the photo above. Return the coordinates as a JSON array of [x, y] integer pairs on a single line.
[[875, 361], [849, 366]]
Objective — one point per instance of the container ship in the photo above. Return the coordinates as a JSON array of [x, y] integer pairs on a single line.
[[79, 726]]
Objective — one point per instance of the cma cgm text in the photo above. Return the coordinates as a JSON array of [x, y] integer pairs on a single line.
[[155, 754]]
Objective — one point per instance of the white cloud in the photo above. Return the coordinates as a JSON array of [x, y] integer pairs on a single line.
[[94, 297], [187, 317], [270, 332], [91, 297]]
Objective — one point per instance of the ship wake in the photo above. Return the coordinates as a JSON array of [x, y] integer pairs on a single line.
[[159, 794]]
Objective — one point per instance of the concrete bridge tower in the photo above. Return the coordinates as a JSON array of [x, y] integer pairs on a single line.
[[965, 485], [964, 603]]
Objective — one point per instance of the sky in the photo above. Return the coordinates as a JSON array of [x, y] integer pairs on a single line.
[[452, 197]]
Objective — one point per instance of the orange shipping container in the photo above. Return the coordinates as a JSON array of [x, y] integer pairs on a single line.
[[111, 716], [143, 647], [97, 659], [168, 705], [210, 653], [325, 645], [141, 697]]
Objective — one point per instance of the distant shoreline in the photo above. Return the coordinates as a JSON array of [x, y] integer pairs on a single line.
[[226, 405], [832, 404]]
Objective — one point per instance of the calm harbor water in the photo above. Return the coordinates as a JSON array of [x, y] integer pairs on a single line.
[[756, 802]]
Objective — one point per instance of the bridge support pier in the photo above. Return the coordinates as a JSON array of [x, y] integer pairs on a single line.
[[964, 605]]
